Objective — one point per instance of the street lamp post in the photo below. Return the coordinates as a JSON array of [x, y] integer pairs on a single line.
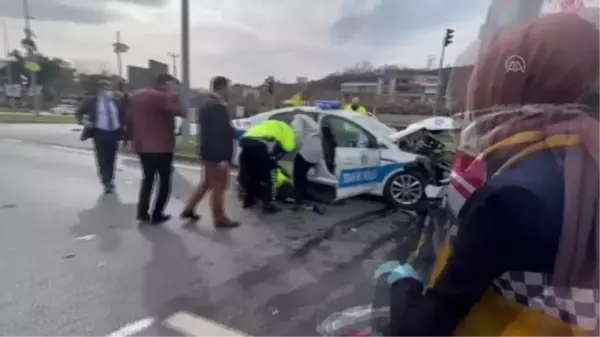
[[11, 98], [185, 67], [119, 48], [174, 57]]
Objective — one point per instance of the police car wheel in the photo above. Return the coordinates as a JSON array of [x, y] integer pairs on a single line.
[[405, 189]]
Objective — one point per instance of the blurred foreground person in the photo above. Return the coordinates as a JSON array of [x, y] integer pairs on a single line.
[[216, 151], [262, 146], [103, 117], [521, 256], [310, 152], [152, 115]]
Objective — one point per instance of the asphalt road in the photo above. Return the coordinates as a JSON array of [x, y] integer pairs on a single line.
[[54, 134], [74, 262]]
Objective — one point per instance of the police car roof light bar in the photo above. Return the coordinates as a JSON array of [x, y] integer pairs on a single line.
[[328, 105]]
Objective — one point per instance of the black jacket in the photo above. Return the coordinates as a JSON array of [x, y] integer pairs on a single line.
[[514, 222], [89, 108], [216, 133]]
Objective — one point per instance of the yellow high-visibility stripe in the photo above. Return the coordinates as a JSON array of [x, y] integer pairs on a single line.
[[517, 139], [551, 142]]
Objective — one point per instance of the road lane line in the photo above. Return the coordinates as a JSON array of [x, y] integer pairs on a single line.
[[133, 327], [192, 325], [11, 140], [71, 149]]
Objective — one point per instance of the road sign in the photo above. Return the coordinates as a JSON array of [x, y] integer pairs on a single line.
[[12, 90], [36, 90], [32, 66]]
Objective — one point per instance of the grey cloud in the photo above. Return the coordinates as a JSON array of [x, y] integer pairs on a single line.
[[390, 21], [79, 11]]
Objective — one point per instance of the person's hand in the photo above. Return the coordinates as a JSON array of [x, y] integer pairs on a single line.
[[85, 121], [224, 164]]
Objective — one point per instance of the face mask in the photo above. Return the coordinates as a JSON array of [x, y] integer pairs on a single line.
[[354, 106]]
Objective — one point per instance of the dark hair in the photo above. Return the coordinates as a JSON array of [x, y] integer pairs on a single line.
[[163, 79], [218, 83]]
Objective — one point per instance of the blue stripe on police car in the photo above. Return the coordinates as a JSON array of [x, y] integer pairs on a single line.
[[366, 175]]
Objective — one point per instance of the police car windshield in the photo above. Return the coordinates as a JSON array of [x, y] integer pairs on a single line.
[[374, 125]]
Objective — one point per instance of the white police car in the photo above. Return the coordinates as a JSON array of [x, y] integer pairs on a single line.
[[362, 155]]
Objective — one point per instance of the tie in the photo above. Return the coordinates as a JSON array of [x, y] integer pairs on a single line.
[[111, 120]]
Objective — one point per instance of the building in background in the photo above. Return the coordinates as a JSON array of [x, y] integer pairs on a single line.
[[140, 77], [395, 86]]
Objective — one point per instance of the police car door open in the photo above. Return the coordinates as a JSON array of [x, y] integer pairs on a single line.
[[357, 162]]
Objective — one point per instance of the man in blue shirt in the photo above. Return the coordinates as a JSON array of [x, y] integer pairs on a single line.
[[103, 116]]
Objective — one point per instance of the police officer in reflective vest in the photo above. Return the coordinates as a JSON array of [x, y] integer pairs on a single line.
[[355, 106], [262, 146], [521, 254]]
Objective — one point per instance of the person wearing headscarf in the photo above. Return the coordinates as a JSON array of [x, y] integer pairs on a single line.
[[521, 254]]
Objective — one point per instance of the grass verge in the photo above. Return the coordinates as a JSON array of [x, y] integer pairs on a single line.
[[14, 110], [186, 150], [32, 118]]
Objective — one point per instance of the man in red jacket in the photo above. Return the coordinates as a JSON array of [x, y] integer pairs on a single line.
[[152, 115]]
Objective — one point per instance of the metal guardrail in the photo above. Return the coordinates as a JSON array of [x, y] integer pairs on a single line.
[[400, 121]]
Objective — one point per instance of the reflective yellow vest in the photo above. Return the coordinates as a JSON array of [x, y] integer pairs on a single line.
[[274, 130], [500, 315], [361, 109], [281, 178]]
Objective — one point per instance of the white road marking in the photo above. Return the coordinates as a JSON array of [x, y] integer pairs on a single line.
[[192, 325], [10, 140], [133, 327], [86, 237], [70, 149]]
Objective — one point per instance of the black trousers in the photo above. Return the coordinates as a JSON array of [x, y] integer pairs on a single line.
[[106, 144], [153, 165], [301, 167], [258, 171]]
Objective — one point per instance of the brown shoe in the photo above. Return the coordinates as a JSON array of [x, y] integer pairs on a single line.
[[189, 216], [225, 222]]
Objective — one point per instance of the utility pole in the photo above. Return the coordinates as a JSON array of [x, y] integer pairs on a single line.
[[11, 99], [185, 65], [31, 48], [438, 95], [119, 48], [174, 57]]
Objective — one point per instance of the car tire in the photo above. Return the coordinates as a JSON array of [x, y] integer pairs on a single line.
[[400, 186]]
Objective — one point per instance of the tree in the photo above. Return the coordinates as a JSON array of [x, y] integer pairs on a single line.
[[50, 68]]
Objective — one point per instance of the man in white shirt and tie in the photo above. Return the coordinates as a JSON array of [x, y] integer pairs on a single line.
[[104, 118]]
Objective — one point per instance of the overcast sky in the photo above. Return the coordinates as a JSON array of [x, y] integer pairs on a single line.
[[249, 40]]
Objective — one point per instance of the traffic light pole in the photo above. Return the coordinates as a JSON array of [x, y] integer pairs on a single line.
[[31, 57], [438, 93]]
